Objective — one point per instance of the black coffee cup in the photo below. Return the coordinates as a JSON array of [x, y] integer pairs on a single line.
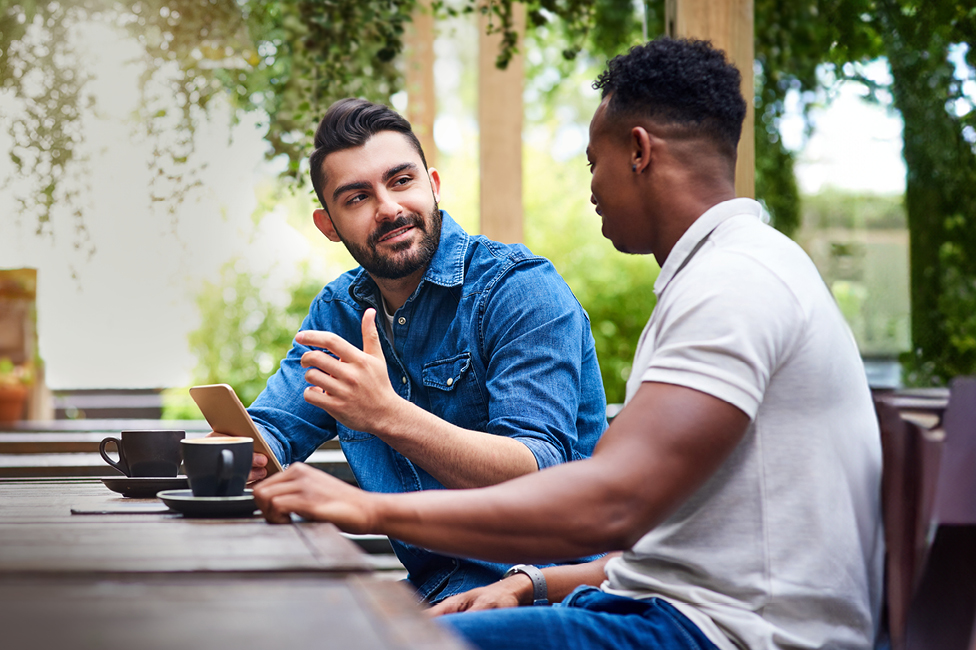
[[146, 452], [217, 466]]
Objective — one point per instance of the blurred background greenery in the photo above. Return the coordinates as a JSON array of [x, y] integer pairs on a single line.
[[279, 64]]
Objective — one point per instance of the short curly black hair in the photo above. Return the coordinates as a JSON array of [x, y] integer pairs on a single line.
[[677, 81]]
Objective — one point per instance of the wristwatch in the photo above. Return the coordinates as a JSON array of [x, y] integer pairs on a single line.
[[540, 593]]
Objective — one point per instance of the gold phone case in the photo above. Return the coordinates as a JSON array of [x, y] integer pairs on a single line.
[[225, 414]]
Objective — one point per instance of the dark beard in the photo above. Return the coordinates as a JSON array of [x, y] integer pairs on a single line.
[[395, 266]]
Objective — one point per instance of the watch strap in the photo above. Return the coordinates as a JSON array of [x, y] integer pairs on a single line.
[[540, 591]]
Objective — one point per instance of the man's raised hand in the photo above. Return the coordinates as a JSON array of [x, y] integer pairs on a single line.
[[353, 385]]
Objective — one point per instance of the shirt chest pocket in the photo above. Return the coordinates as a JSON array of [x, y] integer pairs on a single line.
[[456, 393]]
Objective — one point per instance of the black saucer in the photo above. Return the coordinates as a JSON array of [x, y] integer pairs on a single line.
[[184, 502], [144, 487]]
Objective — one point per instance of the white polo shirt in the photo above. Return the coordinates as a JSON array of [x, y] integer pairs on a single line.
[[783, 547]]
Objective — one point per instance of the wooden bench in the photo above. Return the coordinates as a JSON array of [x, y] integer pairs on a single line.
[[70, 447], [929, 505]]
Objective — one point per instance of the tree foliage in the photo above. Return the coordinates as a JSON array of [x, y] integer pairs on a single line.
[[292, 58], [797, 39], [288, 59], [793, 41]]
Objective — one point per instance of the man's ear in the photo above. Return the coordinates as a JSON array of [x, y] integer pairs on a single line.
[[435, 183], [324, 223], [640, 149]]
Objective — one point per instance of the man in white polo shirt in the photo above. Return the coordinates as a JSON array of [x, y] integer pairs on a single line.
[[741, 480]]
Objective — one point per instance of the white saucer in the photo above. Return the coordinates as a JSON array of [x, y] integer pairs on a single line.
[[184, 502]]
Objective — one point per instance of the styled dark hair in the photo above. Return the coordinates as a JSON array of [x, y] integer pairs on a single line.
[[677, 81], [350, 123]]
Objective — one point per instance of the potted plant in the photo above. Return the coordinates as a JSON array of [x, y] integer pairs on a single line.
[[15, 383]]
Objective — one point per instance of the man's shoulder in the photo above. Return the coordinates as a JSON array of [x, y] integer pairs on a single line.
[[497, 252], [494, 267], [483, 265], [750, 255]]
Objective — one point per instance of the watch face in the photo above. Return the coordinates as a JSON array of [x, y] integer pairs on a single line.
[[539, 591], [513, 570]]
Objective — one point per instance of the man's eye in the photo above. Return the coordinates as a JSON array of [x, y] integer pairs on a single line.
[[403, 180], [356, 199]]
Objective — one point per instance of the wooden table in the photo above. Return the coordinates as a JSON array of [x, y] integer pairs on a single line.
[[157, 580]]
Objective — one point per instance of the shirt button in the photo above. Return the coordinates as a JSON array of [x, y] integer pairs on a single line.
[[450, 381], [403, 380], [402, 320]]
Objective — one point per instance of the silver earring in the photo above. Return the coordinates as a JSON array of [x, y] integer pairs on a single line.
[[633, 168]]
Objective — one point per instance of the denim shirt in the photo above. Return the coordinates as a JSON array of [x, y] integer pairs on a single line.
[[491, 340]]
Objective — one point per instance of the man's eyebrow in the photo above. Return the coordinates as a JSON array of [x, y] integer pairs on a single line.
[[363, 185], [358, 185], [393, 171]]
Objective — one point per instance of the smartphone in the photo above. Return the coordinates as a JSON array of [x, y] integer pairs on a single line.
[[226, 414]]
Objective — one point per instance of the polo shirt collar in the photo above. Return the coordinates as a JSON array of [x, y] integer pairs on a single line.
[[446, 268], [689, 242]]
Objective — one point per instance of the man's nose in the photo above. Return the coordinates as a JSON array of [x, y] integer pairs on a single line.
[[387, 207]]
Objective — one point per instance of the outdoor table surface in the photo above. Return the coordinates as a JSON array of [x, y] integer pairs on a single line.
[[39, 533], [124, 581], [250, 611]]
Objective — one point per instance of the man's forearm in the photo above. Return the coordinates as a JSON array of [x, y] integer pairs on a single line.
[[559, 514], [562, 580], [642, 469], [458, 458]]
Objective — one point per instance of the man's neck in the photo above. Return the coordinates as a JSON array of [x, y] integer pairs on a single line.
[[397, 292], [690, 177], [687, 209]]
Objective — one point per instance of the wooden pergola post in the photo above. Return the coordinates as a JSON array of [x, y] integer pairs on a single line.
[[729, 25], [500, 135], [421, 94]]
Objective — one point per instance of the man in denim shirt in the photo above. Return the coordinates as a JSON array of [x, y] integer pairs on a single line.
[[482, 367]]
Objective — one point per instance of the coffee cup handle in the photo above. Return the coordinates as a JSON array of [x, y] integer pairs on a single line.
[[225, 471], [122, 465]]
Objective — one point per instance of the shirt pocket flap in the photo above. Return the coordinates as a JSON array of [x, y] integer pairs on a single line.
[[446, 373]]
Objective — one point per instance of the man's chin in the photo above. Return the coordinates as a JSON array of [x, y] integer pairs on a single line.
[[397, 269], [620, 245]]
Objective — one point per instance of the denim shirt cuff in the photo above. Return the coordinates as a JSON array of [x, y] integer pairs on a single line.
[[272, 441], [545, 455]]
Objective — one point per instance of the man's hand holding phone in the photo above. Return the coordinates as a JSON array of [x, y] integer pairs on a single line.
[[259, 463], [226, 414]]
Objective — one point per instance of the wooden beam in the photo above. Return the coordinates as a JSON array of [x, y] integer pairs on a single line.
[[729, 25], [421, 93], [500, 139]]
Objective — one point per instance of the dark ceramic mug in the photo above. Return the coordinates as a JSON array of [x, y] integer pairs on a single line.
[[217, 466], [146, 452]]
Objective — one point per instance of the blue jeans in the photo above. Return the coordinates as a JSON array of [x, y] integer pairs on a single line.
[[586, 619]]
